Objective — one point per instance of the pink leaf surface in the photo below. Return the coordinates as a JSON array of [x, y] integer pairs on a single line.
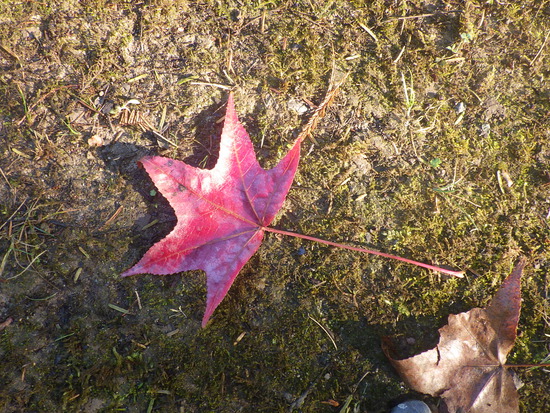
[[221, 213]]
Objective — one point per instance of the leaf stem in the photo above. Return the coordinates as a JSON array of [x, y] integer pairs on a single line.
[[458, 274]]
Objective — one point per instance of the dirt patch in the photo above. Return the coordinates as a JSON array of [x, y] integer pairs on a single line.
[[435, 149]]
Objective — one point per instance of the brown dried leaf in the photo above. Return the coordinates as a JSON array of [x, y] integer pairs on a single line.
[[467, 367]]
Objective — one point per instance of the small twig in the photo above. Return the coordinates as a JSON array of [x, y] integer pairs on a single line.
[[10, 54], [6, 178], [116, 214], [6, 323], [85, 104], [162, 118], [262, 25], [416, 16], [77, 274], [528, 365], [144, 121], [5, 259], [297, 404], [369, 31], [399, 55], [42, 298], [119, 309]]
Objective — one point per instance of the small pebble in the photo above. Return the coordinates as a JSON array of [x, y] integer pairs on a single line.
[[411, 406], [297, 106], [460, 107], [95, 141]]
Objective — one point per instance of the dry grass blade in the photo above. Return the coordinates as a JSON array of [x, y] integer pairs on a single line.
[[5, 259], [26, 268], [219, 85], [41, 98], [14, 212], [325, 330]]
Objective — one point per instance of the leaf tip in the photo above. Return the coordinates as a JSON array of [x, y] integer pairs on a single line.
[[130, 271], [206, 318], [518, 269]]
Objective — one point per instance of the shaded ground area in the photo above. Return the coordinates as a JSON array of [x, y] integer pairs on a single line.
[[437, 149]]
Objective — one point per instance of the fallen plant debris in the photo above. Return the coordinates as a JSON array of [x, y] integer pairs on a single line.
[[223, 213], [468, 366]]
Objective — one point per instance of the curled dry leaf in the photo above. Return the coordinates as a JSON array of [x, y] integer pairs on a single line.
[[467, 368]]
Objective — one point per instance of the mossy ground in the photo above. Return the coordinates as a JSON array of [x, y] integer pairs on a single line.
[[437, 148]]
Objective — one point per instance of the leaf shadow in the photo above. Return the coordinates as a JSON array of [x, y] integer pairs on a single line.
[[409, 336], [207, 126], [122, 159], [160, 219], [366, 338]]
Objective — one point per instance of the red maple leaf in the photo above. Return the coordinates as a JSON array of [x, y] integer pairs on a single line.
[[222, 213]]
